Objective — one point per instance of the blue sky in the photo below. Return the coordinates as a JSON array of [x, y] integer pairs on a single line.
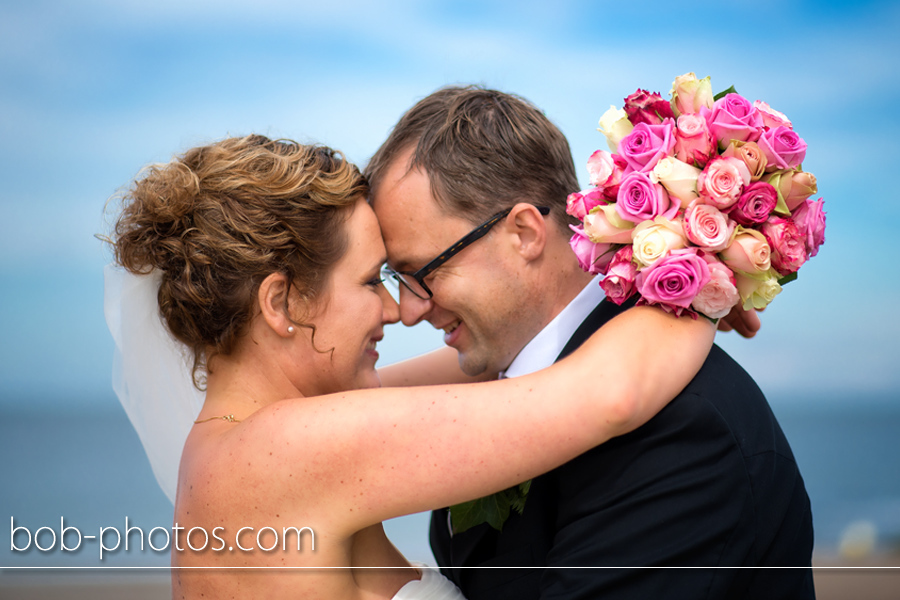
[[91, 91]]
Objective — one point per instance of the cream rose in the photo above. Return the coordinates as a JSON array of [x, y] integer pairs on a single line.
[[653, 239], [750, 154], [749, 253], [803, 185], [603, 225], [614, 124], [757, 292], [679, 179], [793, 188], [689, 94]]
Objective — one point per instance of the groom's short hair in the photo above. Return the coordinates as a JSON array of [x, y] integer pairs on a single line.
[[483, 151]]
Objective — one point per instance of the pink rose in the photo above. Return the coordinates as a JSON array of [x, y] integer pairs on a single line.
[[592, 258], [722, 182], [644, 107], [606, 171], [694, 144], [720, 294], [748, 253], [640, 199], [783, 148], [578, 204], [619, 281], [810, 220], [771, 117], [732, 117], [646, 144], [600, 167], [755, 204], [788, 246], [707, 227], [674, 280]]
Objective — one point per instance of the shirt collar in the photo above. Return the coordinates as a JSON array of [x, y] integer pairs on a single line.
[[543, 348]]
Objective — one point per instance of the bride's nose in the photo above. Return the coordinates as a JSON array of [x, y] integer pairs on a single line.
[[391, 310]]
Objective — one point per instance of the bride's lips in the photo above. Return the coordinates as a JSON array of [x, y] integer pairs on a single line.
[[370, 347]]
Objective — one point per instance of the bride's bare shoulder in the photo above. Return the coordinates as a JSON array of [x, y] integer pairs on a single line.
[[273, 453]]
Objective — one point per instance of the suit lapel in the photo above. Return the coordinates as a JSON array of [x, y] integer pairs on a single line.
[[605, 311], [460, 547], [464, 545]]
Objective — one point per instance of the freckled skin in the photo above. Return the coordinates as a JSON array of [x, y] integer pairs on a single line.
[[245, 462]]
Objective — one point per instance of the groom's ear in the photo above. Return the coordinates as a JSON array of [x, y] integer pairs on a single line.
[[273, 296], [529, 230]]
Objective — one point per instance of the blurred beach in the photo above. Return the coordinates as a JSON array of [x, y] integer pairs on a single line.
[[87, 468]]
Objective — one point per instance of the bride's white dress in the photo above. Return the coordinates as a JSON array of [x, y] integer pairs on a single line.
[[152, 379], [432, 586]]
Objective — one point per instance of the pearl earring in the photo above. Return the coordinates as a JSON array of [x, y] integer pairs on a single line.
[[290, 329]]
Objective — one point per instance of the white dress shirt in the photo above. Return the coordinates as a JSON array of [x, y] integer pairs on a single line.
[[543, 348]]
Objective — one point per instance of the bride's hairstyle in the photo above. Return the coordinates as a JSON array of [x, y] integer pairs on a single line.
[[218, 219]]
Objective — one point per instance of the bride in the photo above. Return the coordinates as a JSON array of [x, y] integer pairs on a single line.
[[265, 261]]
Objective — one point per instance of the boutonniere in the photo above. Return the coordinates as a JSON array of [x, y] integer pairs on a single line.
[[493, 509]]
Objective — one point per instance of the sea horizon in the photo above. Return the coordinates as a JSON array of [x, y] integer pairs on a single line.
[[82, 463]]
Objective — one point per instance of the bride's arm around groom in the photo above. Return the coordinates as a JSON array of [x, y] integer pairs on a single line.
[[708, 482]]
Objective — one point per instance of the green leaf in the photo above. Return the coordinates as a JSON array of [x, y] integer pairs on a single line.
[[493, 509], [613, 248], [781, 207], [708, 318], [722, 94], [788, 278], [518, 502]]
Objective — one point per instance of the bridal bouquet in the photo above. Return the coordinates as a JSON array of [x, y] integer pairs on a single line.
[[702, 203]]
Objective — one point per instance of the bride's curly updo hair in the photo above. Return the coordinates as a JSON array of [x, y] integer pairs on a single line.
[[219, 219]]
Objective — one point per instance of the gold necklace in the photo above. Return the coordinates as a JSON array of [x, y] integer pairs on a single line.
[[229, 418]]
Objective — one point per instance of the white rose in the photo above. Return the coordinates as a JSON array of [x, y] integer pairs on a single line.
[[603, 225], [614, 124], [690, 94], [653, 239], [679, 179], [757, 293]]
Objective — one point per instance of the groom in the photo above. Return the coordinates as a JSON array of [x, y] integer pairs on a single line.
[[709, 482]]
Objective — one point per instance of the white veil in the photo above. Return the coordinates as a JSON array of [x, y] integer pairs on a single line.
[[151, 371]]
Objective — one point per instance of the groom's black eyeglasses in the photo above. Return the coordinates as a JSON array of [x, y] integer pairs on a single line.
[[415, 282]]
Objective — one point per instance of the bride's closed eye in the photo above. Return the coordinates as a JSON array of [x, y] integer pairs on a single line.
[[376, 279]]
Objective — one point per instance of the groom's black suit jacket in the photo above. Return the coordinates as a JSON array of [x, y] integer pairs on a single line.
[[710, 482]]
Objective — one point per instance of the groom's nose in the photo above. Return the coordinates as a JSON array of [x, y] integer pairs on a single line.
[[412, 308]]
